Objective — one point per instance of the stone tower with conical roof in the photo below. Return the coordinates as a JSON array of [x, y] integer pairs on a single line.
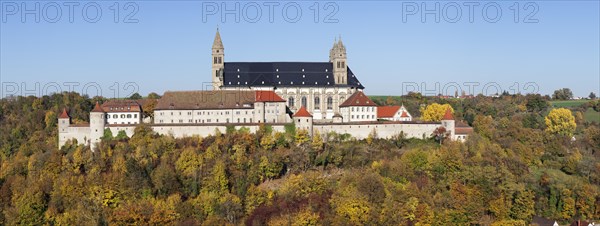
[[218, 62], [337, 56]]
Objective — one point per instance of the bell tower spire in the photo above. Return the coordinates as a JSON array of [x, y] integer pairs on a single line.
[[337, 56], [218, 61]]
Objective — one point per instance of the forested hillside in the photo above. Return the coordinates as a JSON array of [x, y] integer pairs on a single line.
[[522, 161]]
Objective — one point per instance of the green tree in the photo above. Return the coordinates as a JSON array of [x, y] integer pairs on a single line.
[[135, 96], [562, 94]]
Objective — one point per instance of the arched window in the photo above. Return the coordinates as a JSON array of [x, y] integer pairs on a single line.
[[303, 101], [122, 115], [317, 103], [329, 103], [291, 102], [128, 115]]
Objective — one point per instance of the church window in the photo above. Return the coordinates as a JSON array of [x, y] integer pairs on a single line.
[[128, 115], [291, 101], [329, 103], [343, 64], [338, 64], [317, 103], [215, 60], [303, 101], [122, 115], [220, 60]]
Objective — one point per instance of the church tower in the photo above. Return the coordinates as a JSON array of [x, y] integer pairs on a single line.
[[218, 62], [337, 56]]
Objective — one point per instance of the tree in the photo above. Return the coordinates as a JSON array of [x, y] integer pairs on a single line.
[[592, 95], [434, 112], [317, 141], [536, 103], [122, 135], [560, 121], [153, 96], [302, 137], [562, 94], [135, 96], [440, 133], [148, 107]]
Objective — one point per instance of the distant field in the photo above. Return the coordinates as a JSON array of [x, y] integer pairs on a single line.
[[591, 116], [567, 103]]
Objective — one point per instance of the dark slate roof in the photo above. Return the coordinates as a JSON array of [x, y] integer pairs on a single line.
[[283, 74]]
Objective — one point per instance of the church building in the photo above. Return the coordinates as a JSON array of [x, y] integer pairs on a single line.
[[320, 87]]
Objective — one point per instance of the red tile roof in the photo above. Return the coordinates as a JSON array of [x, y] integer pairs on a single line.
[[268, 96], [358, 99], [302, 112], [64, 114], [463, 130], [387, 111], [448, 115], [404, 115], [97, 108]]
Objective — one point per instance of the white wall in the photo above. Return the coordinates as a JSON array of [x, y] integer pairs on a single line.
[[359, 113], [123, 118]]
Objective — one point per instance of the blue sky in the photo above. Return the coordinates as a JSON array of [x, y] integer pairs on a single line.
[[390, 50]]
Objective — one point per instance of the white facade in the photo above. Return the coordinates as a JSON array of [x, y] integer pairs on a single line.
[[130, 118], [359, 113], [259, 112]]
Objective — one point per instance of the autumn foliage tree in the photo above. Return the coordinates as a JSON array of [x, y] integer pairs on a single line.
[[434, 112], [560, 121]]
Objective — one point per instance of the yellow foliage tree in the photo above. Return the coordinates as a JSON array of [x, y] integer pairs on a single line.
[[302, 137], [317, 141], [560, 121], [434, 112]]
